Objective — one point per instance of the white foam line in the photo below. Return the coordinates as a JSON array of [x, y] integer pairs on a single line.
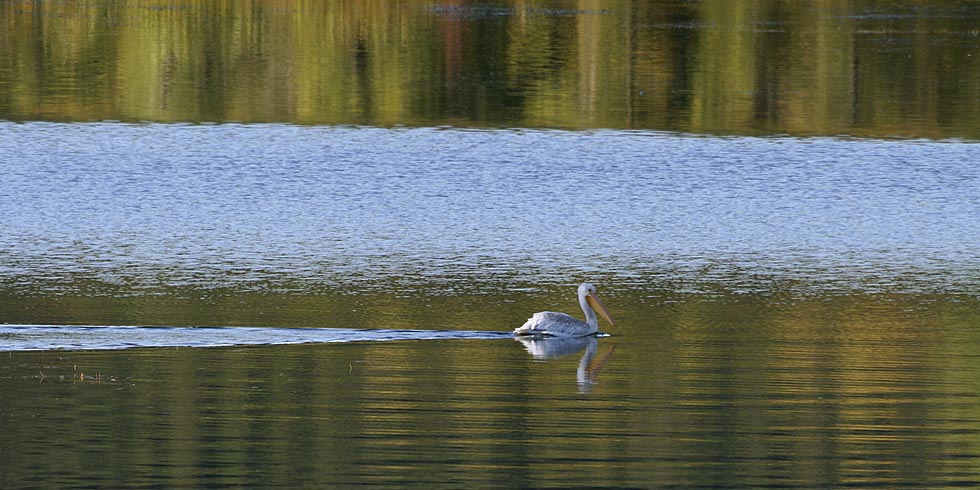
[[91, 337]]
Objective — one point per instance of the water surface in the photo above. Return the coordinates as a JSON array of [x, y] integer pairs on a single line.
[[316, 292], [88, 337], [739, 394], [107, 211], [880, 68], [791, 312]]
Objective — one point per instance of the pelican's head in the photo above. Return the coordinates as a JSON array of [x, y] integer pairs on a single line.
[[587, 292]]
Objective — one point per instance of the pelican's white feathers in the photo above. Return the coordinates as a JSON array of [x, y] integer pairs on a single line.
[[554, 324]]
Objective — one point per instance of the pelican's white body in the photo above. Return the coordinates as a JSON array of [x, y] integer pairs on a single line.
[[554, 324]]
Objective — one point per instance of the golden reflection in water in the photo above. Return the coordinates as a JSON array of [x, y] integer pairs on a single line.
[[732, 67], [868, 382], [815, 393]]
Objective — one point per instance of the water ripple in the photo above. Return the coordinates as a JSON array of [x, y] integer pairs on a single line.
[[50, 337], [148, 207]]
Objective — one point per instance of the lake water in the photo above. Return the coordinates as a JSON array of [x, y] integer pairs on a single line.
[[845, 392], [318, 290], [876, 68], [795, 313]]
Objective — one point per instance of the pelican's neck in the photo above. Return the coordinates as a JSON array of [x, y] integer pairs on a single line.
[[590, 318]]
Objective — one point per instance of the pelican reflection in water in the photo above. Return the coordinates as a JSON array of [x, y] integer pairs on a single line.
[[552, 324], [544, 348]]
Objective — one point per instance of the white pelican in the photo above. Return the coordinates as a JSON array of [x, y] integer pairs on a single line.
[[552, 324]]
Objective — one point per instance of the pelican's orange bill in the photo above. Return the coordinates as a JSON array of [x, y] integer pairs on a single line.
[[596, 304]]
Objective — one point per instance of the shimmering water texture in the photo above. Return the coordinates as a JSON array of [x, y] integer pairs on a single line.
[[119, 210]]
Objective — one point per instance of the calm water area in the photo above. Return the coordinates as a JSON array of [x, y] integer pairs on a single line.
[[282, 244]]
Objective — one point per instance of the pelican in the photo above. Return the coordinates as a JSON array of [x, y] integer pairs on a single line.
[[552, 324]]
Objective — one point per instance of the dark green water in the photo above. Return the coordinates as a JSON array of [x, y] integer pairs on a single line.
[[876, 392], [796, 303], [879, 68]]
